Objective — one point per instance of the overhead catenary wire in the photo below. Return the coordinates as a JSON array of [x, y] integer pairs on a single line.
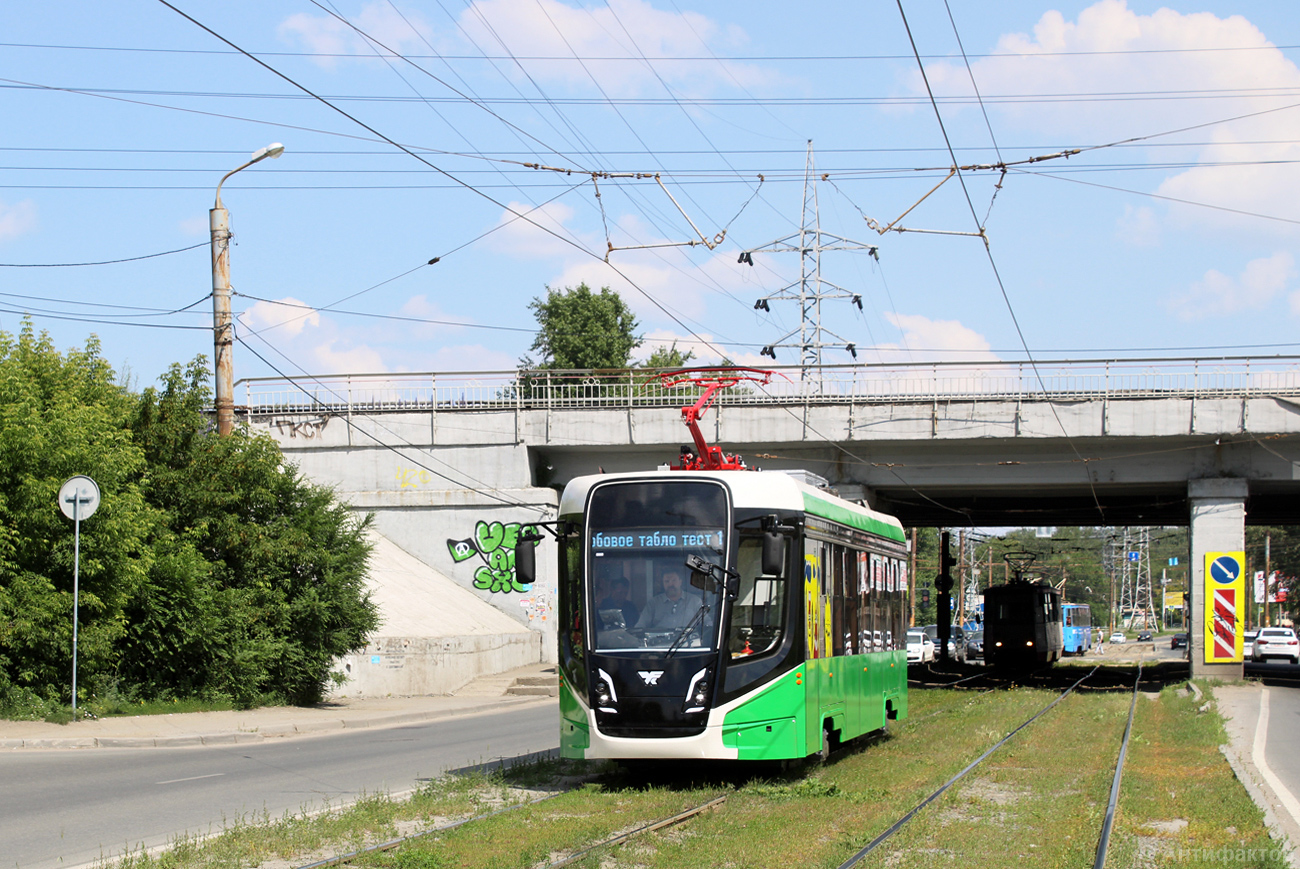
[[483, 488], [341, 55], [989, 253], [129, 259], [649, 297]]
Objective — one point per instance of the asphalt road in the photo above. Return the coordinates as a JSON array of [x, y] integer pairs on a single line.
[[1283, 738], [60, 809]]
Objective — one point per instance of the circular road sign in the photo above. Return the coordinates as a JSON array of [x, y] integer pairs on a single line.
[[1225, 569], [81, 491]]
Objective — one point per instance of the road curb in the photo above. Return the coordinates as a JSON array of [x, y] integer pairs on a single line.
[[1242, 770], [270, 731]]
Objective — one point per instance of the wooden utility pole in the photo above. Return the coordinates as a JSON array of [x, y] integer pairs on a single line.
[[1268, 539]]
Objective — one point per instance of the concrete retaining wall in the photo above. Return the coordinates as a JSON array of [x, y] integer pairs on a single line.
[[417, 666]]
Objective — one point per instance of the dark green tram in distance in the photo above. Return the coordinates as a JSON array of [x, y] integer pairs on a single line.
[[733, 614]]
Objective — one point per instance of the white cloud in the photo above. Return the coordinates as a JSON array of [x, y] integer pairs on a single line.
[[1138, 227], [1167, 57], [620, 29], [1076, 58], [467, 357], [923, 334], [195, 226], [18, 219], [702, 345], [531, 232], [287, 317], [1217, 294], [325, 35], [329, 358]]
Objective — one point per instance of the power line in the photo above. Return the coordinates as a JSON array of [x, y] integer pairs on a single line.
[[100, 263], [992, 262], [443, 172], [700, 101], [681, 58], [487, 491]]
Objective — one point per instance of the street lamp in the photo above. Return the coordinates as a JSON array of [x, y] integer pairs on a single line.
[[223, 338]]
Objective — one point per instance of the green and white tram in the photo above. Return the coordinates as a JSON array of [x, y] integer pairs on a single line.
[[725, 614]]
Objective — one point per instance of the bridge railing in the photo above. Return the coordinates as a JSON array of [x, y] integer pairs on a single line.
[[932, 382]]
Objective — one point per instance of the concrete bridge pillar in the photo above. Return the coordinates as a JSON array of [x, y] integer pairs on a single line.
[[1217, 524]]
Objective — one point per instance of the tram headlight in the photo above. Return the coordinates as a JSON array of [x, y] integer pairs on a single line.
[[998, 644], [697, 693], [1029, 642], [701, 693], [603, 695]]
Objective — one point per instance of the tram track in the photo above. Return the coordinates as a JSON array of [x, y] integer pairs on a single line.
[[1095, 681], [1108, 823], [567, 860]]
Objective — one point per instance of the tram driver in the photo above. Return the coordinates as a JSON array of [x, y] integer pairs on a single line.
[[673, 608]]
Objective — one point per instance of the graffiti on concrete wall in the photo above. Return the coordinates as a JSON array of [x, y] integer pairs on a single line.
[[494, 543], [412, 478], [308, 428]]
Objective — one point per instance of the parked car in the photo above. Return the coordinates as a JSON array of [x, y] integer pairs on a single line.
[[1117, 637], [1144, 636], [920, 648], [975, 645], [956, 641], [1178, 641], [1276, 643]]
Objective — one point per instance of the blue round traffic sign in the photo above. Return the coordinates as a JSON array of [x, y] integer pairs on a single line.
[[1225, 569]]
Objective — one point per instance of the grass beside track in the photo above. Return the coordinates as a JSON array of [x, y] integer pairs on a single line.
[[1038, 801]]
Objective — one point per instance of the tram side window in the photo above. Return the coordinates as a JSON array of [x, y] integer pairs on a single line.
[[572, 646], [879, 606], [759, 611], [898, 629], [859, 562], [837, 599], [847, 588]]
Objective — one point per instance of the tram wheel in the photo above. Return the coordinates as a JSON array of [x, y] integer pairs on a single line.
[[828, 737]]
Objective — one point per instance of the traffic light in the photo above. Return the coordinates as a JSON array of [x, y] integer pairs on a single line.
[[925, 597]]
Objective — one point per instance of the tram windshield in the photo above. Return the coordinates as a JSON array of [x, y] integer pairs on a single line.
[[642, 594]]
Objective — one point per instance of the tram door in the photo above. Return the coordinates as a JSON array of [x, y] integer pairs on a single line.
[[815, 602]]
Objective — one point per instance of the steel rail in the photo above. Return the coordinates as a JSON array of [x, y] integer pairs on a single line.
[[897, 825], [639, 831], [394, 843], [1104, 842]]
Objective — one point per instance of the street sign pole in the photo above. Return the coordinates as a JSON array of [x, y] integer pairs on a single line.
[[76, 592], [78, 499]]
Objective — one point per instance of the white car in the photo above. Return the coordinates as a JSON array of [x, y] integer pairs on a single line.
[[1276, 643], [1117, 637], [920, 648]]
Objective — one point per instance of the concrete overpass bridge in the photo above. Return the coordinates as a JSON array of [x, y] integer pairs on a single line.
[[440, 457]]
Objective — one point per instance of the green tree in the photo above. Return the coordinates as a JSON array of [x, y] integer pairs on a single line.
[[61, 416], [261, 584], [669, 357], [211, 567], [579, 329]]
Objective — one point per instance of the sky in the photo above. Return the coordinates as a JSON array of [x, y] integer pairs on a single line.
[[527, 144]]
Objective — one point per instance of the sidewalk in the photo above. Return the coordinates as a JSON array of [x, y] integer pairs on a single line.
[[487, 694], [1239, 704]]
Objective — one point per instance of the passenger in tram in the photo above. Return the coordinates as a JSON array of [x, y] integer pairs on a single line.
[[618, 597]]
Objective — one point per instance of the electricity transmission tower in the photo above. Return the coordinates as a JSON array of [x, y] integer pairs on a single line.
[[1135, 597], [1143, 598], [811, 289]]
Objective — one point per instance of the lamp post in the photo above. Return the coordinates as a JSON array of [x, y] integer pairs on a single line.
[[223, 338]]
